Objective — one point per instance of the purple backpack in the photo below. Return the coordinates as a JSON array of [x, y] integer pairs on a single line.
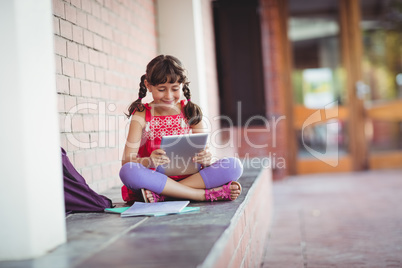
[[78, 196]]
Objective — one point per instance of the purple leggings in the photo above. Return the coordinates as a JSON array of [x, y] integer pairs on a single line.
[[135, 176]]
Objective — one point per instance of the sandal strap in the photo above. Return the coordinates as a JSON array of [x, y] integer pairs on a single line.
[[211, 195], [224, 193], [158, 198]]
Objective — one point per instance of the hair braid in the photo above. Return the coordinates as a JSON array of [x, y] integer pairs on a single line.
[[186, 92], [137, 105], [192, 111]]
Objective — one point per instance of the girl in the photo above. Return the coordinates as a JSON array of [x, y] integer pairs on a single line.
[[166, 80]]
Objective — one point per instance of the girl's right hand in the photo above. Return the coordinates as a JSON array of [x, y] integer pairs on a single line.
[[158, 157]]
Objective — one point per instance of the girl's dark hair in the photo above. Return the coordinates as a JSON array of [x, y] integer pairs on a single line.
[[162, 69]]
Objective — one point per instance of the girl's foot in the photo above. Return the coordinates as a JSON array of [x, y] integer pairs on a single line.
[[151, 197], [230, 191]]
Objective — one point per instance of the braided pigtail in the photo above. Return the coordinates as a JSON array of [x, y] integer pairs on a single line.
[[137, 105], [192, 111]]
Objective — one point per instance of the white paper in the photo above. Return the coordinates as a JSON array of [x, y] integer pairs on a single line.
[[155, 209]]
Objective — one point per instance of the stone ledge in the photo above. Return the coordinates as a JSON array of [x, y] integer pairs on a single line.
[[221, 234]]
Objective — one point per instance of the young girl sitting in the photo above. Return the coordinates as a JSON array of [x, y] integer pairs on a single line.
[[168, 115]]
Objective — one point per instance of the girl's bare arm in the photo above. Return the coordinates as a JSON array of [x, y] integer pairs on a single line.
[[133, 141]]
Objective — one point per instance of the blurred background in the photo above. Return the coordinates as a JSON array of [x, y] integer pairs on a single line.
[[332, 67]]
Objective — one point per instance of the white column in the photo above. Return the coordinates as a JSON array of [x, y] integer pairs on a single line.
[[31, 185], [181, 35]]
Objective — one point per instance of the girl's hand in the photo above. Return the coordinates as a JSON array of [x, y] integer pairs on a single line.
[[204, 157], [158, 157]]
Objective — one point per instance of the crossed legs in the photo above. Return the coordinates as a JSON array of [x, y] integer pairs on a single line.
[[135, 176], [190, 189]]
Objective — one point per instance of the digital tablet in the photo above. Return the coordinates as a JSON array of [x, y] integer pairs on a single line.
[[181, 149]]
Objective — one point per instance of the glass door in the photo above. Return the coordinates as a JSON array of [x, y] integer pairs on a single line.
[[347, 84], [381, 83], [319, 86]]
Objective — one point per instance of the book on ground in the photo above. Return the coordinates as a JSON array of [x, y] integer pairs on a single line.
[[116, 210], [155, 209], [122, 209]]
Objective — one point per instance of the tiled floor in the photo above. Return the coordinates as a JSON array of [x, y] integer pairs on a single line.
[[338, 220]]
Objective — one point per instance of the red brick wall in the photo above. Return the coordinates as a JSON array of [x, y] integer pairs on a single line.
[[277, 82], [101, 50], [244, 241]]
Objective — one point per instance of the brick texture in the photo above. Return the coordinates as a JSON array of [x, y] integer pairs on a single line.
[[101, 50], [244, 246], [276, 79]]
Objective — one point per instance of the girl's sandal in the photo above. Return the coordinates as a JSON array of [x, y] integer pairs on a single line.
[[223, 193], [157, 198]]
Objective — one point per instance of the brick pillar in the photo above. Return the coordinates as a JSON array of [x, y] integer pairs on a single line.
[[278, 94]]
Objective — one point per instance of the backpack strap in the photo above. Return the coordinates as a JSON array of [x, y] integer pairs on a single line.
[[148, 115], [183, 122], [183, 104]]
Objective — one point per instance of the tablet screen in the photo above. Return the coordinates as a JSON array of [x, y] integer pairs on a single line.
[[181, 149]]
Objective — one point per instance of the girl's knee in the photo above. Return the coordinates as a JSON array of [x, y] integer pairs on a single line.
[[221, 172], [234, 167], [135, 176], [237, 167], [131, 174]]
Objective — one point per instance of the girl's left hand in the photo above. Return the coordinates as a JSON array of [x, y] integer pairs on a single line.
[[204, 157]]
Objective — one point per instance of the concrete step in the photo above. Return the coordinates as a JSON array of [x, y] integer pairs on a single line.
[[221, 234]]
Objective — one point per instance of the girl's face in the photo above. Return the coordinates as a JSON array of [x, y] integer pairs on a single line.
[[166, 95]]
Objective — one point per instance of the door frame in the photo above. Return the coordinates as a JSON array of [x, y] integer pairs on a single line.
[[352, 51]]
